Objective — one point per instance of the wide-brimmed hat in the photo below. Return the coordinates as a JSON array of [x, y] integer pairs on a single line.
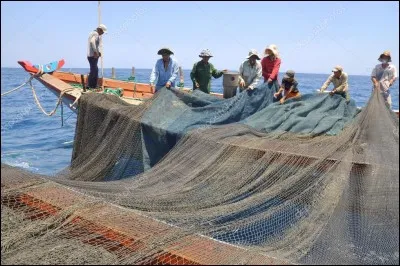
[[253, 52], [274, 49], [337, 68], [205, 53], [386, 53], [164, 50], [289, 74], [103, 28]]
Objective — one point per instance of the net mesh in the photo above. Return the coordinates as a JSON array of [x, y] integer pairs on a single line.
[[190, 179]]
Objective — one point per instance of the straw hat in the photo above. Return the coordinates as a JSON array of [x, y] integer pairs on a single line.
[[386, 53], [253, 52], [165, 50], [205, 53], [274, 49]]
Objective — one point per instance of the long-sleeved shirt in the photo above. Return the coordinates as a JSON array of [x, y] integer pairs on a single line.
[[202, 73], [339, 84], [384, 75], [251, 75], [93, 43], [270, 68], [160, 76]]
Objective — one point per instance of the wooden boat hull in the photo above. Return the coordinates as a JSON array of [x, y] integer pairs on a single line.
[[131, 90]]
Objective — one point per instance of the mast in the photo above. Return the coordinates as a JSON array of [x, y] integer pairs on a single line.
[[101, 48]]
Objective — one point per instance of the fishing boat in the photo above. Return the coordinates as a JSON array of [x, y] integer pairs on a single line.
[[69, 86], [72, 85]]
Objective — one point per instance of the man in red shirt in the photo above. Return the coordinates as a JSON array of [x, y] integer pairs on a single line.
[[270, 65]]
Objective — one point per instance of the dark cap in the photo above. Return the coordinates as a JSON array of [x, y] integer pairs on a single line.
[[289, 74]]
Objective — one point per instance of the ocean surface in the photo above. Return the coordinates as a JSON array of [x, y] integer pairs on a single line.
[[38, 143]]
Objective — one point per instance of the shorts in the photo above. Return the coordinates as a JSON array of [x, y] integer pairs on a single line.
[[293, 94]]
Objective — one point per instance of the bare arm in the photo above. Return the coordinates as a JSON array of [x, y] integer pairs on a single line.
[[326, 84]]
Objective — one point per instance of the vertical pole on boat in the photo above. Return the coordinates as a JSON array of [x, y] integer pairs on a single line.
[[62, 114], [134, 83], [113, 73], [101, 48]]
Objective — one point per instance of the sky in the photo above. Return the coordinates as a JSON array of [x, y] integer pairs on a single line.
[[312, 37]]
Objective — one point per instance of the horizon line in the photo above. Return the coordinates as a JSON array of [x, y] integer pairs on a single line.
[[183, 69]]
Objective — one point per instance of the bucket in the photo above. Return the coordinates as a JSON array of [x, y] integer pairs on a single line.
[[230, 84]]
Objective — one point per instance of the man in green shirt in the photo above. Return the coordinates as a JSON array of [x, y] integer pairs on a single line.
[[202, 72]]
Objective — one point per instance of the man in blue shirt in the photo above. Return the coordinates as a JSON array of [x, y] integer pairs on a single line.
[[165, 71]]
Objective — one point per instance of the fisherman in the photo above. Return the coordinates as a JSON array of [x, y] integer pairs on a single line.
[[202, 72], [288, 88], [165, 71], [250, 71], [271, 64], [340, 83], [93, 54], [384, 75]]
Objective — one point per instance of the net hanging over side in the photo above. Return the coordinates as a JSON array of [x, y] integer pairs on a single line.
[[190, 179]]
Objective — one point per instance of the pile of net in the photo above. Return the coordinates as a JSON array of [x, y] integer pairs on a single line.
[[191, 179]]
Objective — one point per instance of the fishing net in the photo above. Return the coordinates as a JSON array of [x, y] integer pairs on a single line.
[[191, 179]]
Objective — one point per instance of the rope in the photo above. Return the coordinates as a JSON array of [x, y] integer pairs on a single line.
[[58, 101], [68, 117], [17, 88], [40, 71]]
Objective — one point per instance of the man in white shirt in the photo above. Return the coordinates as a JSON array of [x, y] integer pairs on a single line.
[[250, 71], [93, 54], [384, 75]]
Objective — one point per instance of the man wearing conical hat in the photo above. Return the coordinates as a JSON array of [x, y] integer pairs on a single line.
[[339, 79], [384, 75], [93, 54], [203, 71], [250, 71], [165, 71]]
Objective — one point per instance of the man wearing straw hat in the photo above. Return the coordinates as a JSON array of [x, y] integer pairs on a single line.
[[202, 72], [340, 83], [384, 75], [93, 54], [165, 71], [250, 71]]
